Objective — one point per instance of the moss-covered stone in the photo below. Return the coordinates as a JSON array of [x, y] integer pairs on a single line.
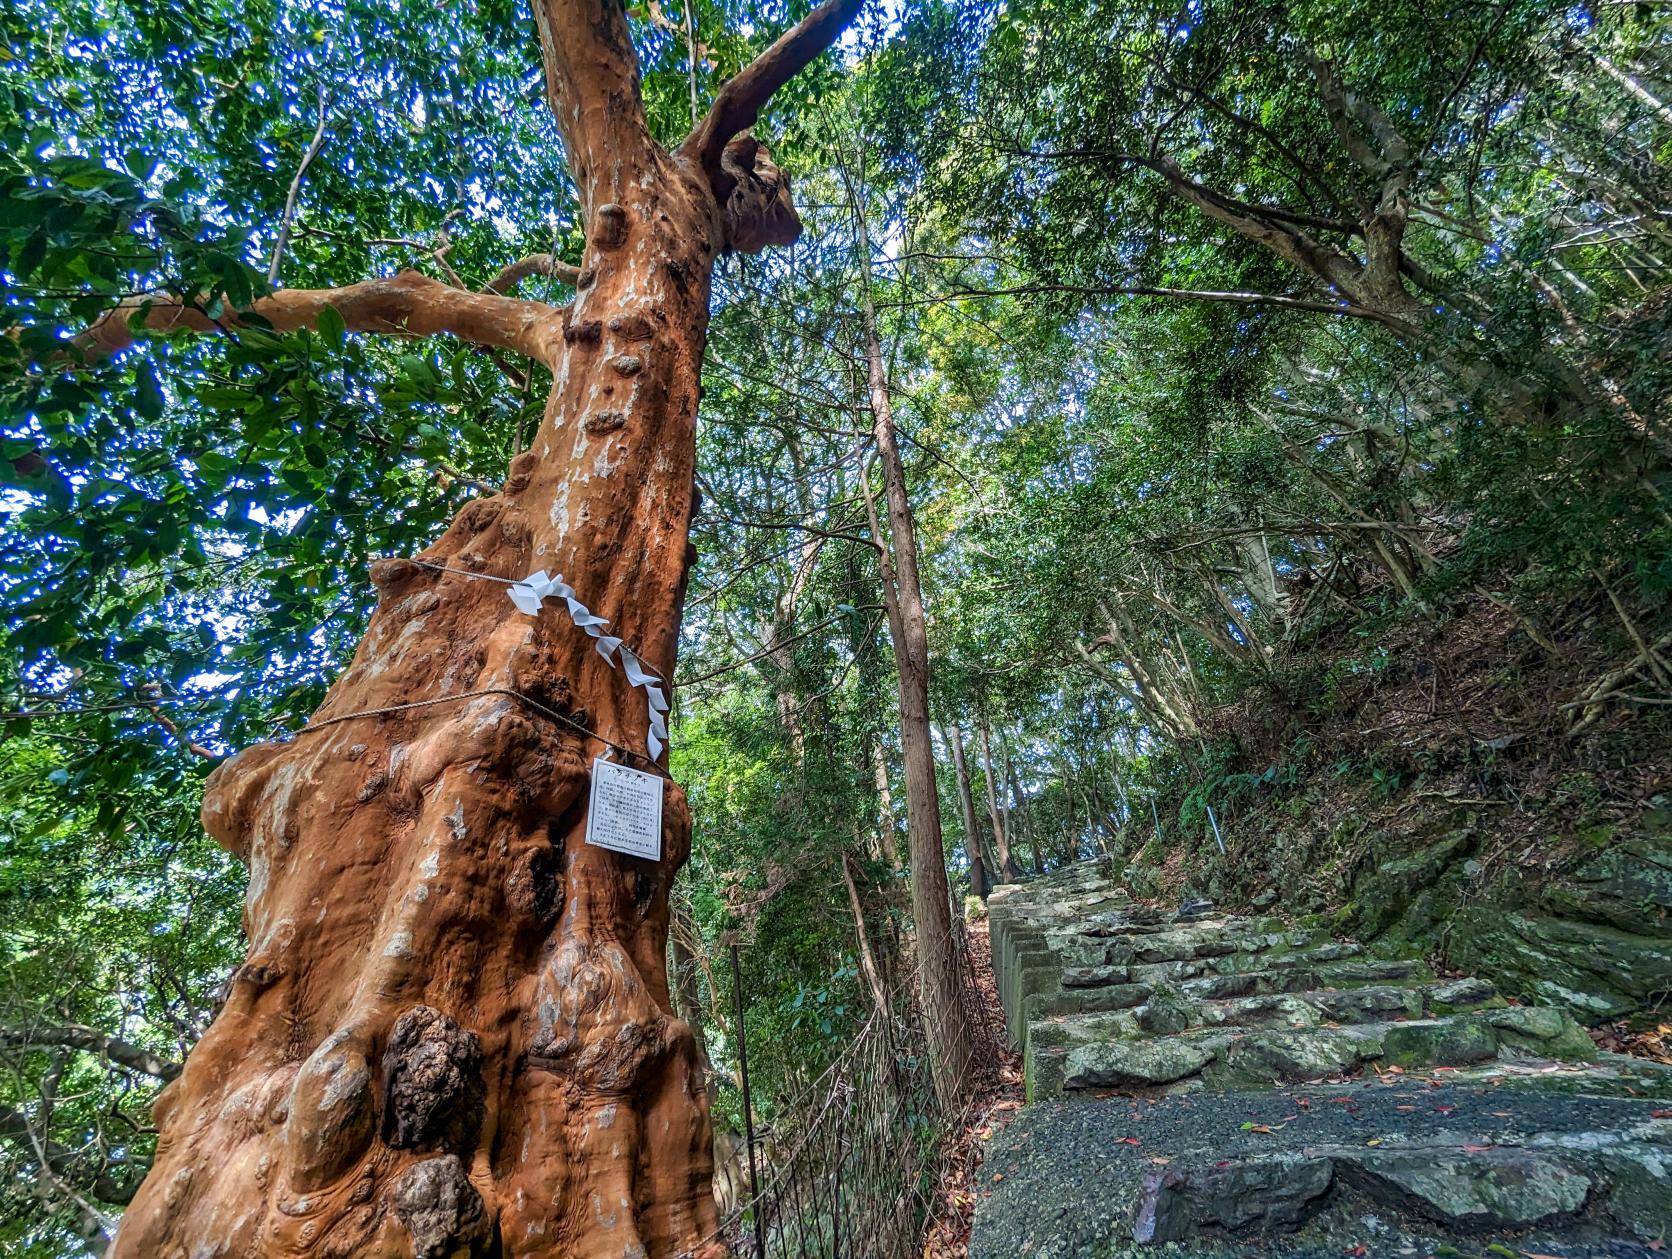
[[1639, 1189], [1385, 896], [1495, 1189], [1166, 1012], [1596, 971], [1452, 1042], [1460, 995], [1544, 1031], [1135, 1062], [1264, 1057]]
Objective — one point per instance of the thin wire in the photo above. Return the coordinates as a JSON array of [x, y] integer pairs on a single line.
[[489, 690], [462, 572]]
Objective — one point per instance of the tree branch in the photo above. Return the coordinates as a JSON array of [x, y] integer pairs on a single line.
[[184, 740], [408, 303], [740, 101], [535, 264], [289, 216], [1284, 301], [1344, 107], [15, 1125], [92, 1040]]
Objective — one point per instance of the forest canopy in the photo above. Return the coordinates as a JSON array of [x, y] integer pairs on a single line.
[[1252, 365]]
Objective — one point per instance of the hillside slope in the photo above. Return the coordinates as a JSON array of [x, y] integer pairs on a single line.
[[1449, 791]]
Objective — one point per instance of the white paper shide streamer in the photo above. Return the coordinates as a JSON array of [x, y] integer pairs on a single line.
[[532, 591]]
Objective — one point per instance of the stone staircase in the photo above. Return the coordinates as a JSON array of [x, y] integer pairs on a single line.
[[1219, 1083]]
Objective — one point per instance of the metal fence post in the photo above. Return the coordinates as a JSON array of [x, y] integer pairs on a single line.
[[1214, 822], [748, 1109]]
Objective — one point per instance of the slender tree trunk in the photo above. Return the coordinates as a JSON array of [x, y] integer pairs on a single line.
[[1008, 871], [1018, 807], [1071, 838], [887, 823], [979, 884], [867, 960], [687, 990], [453, 1034], [939, 986]]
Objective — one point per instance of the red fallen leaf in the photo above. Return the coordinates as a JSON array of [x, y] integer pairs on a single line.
[[1224, 1162], [1303, 1101], [1437, 1070], [997, 1176], [1127, 1141], [1356, 1251], [1476, 1149], [1445, 1110], [1288, 1119], [1404, 1107], [1660, 1114], [1160, 1161]]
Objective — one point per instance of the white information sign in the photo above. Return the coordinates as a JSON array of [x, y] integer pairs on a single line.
[[625, 811]]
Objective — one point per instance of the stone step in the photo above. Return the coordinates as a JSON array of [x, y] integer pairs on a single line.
[[1037, 973], [1366, 1003], [1394, 1166], [1218, 1084], [1115, 1050], [1303, 997]]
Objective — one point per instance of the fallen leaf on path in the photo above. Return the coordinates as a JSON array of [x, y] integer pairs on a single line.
[[1160, 1161], [1477, 1149], [1127, 1141]]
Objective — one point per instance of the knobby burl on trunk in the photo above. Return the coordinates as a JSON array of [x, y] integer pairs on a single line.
[[453, 1033]]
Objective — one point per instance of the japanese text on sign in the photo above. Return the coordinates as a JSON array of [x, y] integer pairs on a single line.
[[625, 810]]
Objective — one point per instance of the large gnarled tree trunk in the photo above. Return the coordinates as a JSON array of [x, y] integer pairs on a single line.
[[453, 1034]]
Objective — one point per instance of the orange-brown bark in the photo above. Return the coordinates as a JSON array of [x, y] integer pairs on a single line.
[[409, 303], [453, 1033]]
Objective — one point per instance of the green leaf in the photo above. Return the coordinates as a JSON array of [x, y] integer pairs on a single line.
[[148, 396], [331, 326]]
